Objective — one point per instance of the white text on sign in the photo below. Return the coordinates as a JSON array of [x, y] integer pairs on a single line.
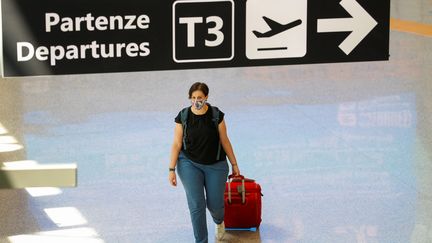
[[216, 30]]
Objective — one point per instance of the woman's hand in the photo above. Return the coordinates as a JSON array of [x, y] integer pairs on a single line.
[[235, 170], [172, 178]]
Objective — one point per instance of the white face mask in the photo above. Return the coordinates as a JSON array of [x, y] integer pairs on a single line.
[[199, 104]]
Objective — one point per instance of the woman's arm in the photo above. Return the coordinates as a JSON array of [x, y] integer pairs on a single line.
[[175, 150], [226, 145]]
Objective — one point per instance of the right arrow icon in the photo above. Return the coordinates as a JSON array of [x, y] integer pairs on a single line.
[[359, 25]]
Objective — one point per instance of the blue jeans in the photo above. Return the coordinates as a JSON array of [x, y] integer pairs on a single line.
[[197, 178]]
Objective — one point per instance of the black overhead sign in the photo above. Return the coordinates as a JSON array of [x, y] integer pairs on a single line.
[[47, 37]]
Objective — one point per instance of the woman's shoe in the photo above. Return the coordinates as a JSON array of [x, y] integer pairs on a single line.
[[220, 231]]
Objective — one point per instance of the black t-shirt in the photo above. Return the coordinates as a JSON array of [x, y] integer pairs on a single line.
[[202, 139]]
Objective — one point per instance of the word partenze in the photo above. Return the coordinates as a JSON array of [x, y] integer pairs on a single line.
[[101, 23], [53, 22]]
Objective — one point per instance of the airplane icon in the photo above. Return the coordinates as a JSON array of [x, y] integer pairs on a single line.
[[276, 27], [272, 33]]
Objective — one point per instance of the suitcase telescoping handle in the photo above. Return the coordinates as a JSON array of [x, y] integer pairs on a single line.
[[242, 189]]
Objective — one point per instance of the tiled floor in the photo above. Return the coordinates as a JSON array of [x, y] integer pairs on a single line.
[[342, 151]]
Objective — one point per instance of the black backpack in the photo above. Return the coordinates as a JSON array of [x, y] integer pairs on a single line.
[[215, 118]]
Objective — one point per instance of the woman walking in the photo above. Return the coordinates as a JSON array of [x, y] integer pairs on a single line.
[[199, 152]]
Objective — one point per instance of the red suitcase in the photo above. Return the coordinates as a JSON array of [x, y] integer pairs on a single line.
[[242, 203]]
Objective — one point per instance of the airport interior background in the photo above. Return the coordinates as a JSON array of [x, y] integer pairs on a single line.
[[342, 151]]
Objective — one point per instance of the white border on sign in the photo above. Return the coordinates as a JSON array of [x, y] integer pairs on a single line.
[[200, 60]]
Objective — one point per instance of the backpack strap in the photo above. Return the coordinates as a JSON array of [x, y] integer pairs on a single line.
[[184, 117], [215, 119]]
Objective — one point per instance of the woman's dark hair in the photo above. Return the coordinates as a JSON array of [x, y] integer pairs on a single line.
[[198, 86]]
